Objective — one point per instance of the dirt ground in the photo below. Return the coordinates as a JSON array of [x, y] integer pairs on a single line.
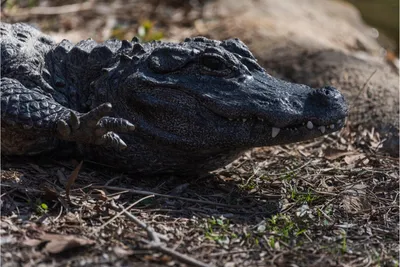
[[332, 201]]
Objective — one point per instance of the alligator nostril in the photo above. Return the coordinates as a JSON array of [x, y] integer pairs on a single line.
[[328, 90]]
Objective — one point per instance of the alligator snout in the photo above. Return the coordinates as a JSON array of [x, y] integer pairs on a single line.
[[328, 93], [326, 104]]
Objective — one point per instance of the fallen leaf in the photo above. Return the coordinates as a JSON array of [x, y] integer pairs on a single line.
[[50, 193], [59, 243], [72, 218], [351, 159], [354, 198], [99, 194], [121, 252], [333, 153], [355, 204], [72, 179], [32, 242]]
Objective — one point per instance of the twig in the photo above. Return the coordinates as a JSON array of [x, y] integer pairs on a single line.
[[291, 171], [19, 187], [325, 215], [140, 192], [224, 253], [155, 243], [123, 210], [150, 232], [362, 88]]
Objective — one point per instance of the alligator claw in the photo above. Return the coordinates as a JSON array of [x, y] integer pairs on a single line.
[[93, 127], [101, 111], [116, 125], [63, 128], [113, 140]]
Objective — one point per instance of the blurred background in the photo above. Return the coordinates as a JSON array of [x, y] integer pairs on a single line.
[[153, 19], [384, 15]]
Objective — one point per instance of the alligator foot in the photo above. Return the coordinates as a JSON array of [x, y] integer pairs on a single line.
[[95, 127]]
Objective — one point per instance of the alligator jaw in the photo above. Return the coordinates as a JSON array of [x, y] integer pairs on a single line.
[[275, 112], [263, 134]]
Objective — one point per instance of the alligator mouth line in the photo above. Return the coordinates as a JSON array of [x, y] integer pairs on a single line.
[[309, 125]]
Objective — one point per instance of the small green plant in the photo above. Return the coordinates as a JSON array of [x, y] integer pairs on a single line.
[[41, 207], [32, 3], [218, 229], [283, 229], [344, 242], [249, 185], [290, 175], [147, 33], [271, 241], [10, 4], [302, 197], [18, 3]]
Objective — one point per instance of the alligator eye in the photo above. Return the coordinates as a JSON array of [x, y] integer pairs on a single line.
[[213, 63]]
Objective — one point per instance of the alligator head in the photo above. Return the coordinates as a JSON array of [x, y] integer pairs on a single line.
[[204, 100]]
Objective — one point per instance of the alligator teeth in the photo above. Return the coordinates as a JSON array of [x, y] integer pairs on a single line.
[[230, 119], [332, 126], [322, 129], [261, 119], [275, 131], [244, 120], [310, 125]]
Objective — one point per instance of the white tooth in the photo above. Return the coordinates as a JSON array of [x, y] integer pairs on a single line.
[[322, 129], [261, 119], [339, 121], [310, 125], [230, 119], [275, 131], [244, 120], [332, 126]]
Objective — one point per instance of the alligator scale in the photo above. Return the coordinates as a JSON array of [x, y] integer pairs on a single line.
[[151, 108]]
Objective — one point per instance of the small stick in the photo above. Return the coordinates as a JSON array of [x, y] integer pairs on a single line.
[[140, 192], [363, 87], [155, 243], [123, 210]]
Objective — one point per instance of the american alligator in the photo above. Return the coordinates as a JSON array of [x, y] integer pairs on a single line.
[[151, 108]]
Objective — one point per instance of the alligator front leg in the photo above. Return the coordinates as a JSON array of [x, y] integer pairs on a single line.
[[32, 122], [94, 127]]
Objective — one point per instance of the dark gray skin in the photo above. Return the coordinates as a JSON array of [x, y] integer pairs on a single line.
[[151, 108]]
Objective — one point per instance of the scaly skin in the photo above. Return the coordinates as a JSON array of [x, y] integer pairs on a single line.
[[151, 108]]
